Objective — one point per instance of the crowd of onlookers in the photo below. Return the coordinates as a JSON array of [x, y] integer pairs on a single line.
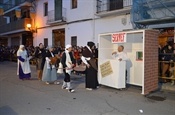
[[10, 53], [167, 59]]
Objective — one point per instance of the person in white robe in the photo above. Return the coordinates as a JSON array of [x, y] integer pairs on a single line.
[[68, 63], [120, 55], [23, 69]]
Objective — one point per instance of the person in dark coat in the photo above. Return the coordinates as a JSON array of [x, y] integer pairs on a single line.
[[91, 66], [40, 54]]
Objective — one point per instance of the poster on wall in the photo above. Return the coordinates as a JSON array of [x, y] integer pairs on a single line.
[[106, 69], [118, 37]]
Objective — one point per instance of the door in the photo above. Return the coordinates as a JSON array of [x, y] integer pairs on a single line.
[[58, 10]]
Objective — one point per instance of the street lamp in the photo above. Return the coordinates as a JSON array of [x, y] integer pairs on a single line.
[[33, 30]]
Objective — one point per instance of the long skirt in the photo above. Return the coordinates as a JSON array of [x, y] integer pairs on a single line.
[[91, 78], [49, 75], [40, 63], [22, 75]]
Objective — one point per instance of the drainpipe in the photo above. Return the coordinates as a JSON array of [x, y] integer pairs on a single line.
[[94, 9]]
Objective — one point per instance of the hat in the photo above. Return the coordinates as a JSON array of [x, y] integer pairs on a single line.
[[21, 46], [68, 46], [90, 44]]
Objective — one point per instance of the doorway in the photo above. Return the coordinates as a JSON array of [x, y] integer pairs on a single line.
[[59, 37]]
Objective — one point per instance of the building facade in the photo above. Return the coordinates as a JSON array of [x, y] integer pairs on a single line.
[[78, 21], [14, 17]]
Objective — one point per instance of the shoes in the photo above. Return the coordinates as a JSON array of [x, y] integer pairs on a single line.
[[56, 83], [64, 87], [47, 83], [71, 90], [90, 89]]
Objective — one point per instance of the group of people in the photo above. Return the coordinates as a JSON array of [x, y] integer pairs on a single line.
[[166, 55], [166, 60], [47, 65]]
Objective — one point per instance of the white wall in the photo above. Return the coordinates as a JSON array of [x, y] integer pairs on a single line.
[[40, 18], [111, 24], [83, 31], [84, 10]]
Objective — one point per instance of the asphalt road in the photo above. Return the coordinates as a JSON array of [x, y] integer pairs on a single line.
[[33, 97]]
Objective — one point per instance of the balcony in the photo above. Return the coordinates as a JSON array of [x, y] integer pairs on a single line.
[[111, 7], [15, 4], [15, 27], [56, 18]]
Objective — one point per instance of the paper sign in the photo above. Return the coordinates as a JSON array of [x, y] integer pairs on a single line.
[[118, 38], [106, 69]]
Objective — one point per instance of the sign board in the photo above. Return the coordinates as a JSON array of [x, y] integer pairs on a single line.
[[106, 69], [118, 38]]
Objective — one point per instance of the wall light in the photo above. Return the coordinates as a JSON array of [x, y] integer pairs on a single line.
[[33, 30]]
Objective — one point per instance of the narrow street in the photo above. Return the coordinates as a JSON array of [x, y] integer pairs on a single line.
[[33, 97]]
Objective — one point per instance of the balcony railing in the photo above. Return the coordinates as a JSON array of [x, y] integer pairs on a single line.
[[105, 5], [13, 3], [55, 18], [16, 25]]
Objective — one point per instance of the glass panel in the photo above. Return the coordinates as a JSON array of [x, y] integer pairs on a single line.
[[58, 10]]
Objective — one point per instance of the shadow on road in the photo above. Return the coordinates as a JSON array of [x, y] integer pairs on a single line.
[[6, 110]]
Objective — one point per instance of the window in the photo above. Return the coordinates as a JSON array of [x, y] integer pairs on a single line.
[[45, 42], [74, 4], [115, 4], [139, 55], [45, 9], [74, 40]]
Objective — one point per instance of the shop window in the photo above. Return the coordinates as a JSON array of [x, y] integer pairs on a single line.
[[74, 4], [45, 9], [139, 56]]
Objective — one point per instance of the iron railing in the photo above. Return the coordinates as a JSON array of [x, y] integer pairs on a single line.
[[51, 18], [16, 25], [110, 5]]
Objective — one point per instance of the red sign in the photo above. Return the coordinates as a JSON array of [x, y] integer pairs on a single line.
[[118, 38]]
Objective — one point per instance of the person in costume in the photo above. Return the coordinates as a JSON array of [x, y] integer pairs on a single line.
[[120, 55], [68, 63], [40, 60], [88, 58], [49, 72], [23, 69]]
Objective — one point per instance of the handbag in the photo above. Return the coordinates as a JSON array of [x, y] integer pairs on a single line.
[[53, 60]]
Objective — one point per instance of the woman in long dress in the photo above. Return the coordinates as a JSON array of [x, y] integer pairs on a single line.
[[91, 66], [23, 69], [49, 72]]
